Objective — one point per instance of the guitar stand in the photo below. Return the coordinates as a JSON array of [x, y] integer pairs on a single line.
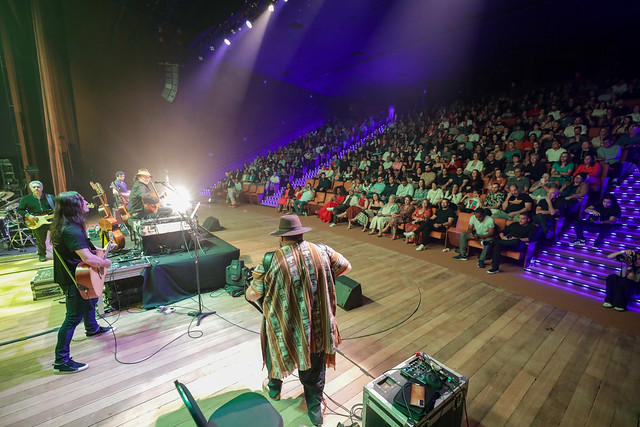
[[21, 238]]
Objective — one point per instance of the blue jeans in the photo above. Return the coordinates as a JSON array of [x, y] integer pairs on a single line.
[[78, 309], [298, 206]]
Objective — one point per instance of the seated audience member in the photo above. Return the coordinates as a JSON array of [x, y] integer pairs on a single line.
[[324, 183], [553, 154], [585, 150], [611, 154], [511, 151], [390, 189], [513, 237], [475, 183], [537, 149], [399, 218], [340, 211], [574, 143], [509, 170], [499, 179], [443, 179], [514, 204], [428, 176], [540, 189], [377, 188], [420, 193], [535, 169], [324, 213], [286, 199], [435, 194], [548, 209], [600, 218], [404, 189], [422, 213], [562, 170], [603, 133], [573, 192], [495, 197], [470, 202], [482, 228], [459, 178], [621, 288], [593, 170], [371, 209], [491, 165], [454, 195], [444, 217], [383, 216], [453, 164], [474, 164], [305, 198], [519, 180], [352, 211]]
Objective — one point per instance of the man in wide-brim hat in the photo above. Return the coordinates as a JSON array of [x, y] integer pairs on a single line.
[[299, 305], [143, 200]]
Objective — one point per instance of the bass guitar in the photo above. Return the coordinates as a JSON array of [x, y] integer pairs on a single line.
[[38, 221], [108, 223], [90, 280]]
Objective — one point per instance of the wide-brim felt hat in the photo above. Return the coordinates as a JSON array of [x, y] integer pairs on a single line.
[[143, 172], [290, 225]]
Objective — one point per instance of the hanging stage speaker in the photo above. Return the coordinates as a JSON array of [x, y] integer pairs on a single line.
[[348, 293], [170, 89], [211, 224]]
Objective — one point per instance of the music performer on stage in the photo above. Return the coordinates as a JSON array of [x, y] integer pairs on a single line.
[[71, 246], [143, 200], [34, 206], [299, 328], [120, 190]]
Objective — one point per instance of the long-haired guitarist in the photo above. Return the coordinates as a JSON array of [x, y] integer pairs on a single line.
[[36, 208], [143, 200], [71, 247]]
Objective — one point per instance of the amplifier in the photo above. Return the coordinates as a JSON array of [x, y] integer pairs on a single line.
[[153, 229]]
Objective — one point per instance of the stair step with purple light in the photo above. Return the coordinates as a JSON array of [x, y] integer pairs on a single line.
[[626, 236], [563, 276], [575, 269], [584, 256]]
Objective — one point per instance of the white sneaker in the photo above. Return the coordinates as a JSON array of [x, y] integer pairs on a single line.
[[330, 209], [420, 248], [332, 225], [409, 234]]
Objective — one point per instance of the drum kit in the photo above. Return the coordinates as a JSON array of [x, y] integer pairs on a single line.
[[12, 227]]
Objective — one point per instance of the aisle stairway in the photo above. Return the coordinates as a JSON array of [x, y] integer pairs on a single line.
[[585, 268]]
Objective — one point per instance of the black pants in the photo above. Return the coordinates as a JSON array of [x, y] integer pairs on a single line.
[[337, 211], [499, 245], [603, 230], [619, 290], [543, 221], [312, 381], [426, 227], [78, 309], [40, 234]]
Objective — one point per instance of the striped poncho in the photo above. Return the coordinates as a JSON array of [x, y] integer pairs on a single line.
[[299, 306]]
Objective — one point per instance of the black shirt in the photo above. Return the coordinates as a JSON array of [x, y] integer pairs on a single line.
[[558, 205], [535, 172], [442, 215], [73, 238], [517, 203], [140, 194], [516, 230]]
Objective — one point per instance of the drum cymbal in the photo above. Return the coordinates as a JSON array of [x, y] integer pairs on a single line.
[[11, 206], [5, 195]]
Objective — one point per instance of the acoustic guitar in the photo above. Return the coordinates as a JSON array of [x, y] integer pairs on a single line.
[[90, 280], [108, 224]]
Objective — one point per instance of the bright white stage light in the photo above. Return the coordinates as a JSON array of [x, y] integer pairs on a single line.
[[271, 8], [179, 200], [227, 42], [249, 24]]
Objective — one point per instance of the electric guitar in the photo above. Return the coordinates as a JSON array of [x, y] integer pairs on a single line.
[[90, 280], [38, 221]]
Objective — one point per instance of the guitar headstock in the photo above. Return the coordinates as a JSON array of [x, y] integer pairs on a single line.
[[99, 189]]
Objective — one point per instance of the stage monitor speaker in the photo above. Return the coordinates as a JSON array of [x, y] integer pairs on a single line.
[[348, 293], [211, 224]]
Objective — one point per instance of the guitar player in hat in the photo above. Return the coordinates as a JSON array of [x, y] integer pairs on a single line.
[[36, 206]]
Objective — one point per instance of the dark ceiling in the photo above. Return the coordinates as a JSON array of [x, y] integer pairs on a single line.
[[346, 48]]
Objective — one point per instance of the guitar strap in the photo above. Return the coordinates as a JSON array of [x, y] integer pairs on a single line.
[[49, 200], [80, 289]]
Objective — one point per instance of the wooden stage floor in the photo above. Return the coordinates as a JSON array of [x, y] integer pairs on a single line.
[[533, 356]]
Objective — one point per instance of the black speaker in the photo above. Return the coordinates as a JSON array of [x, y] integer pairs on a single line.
[[348, 293], [211, 224]]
